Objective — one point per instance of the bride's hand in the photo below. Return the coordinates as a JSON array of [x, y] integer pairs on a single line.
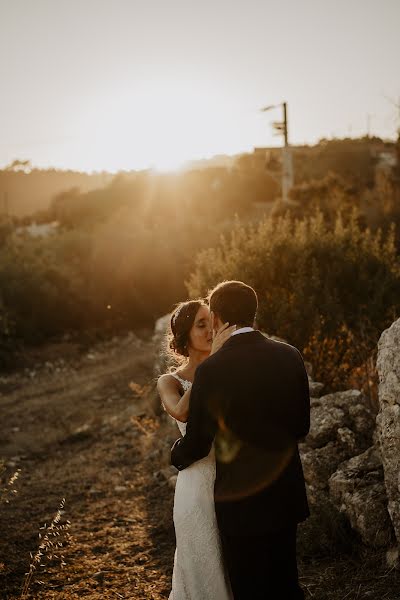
[[223, 334]]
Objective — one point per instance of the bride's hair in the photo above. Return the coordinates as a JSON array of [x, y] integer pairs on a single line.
[[181, 322]]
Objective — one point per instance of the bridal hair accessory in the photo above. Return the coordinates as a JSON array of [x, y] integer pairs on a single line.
[[176, 315]]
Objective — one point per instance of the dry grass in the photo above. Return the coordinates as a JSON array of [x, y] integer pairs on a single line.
[[51, 544], [358, 576], [7, 489]]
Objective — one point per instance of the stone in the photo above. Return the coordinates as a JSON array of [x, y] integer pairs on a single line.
[[165, 474], [315, 388], [324, 425], [168, 472], [357, 489], [388, 419], [320, 463], [393, 558], [341, 427], [347, 438], [172, 481]]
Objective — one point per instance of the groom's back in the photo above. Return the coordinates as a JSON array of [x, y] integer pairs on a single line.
[[261, 401]]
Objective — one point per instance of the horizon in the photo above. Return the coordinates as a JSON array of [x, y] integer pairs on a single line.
[[150, 86], [185, 166]]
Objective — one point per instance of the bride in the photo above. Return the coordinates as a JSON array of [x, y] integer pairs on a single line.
[[199, 572]]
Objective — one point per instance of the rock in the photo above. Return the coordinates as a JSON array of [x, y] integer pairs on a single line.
[[320, 463], [388, 419], [324, 425], [95, 492], [347, 438], [164, 475], [393, 558], [340, 410], [357, 489], [172, 481], [315, 388], [309, 368], [362, 419], [120, 488], [343, 399], [80, 434], [168, 472], [341, 427]]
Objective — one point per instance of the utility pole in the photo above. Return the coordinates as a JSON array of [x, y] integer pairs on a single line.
[[281, 128], [368, 125], [397, 118]]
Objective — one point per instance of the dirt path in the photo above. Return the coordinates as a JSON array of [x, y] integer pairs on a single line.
[[82, 434], [78, 431]]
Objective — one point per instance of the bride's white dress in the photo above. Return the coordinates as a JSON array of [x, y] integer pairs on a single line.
[[199, 572]]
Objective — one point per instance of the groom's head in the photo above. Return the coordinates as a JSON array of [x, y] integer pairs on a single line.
[[233, 302]]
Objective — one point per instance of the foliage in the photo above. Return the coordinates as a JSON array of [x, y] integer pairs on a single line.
[[315, 282], [121, 273], [39, 279], [352, 160], [125, 245], [330, 195]]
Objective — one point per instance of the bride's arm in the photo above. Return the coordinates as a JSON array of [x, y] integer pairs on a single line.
[[176, 405]]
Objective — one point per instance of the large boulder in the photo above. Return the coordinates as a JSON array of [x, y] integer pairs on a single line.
[[357, 489], [342, 426], [388, 419]]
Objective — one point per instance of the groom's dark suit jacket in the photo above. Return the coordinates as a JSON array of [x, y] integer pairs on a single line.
[[251, 398]]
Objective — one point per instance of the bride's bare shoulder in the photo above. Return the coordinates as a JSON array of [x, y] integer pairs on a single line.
[[167, 381]]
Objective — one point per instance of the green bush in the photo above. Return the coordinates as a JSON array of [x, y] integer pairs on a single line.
[[41, 284], [312, 279], [119, 274]]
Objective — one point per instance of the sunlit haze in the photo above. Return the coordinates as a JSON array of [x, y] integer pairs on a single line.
[[127, 84]]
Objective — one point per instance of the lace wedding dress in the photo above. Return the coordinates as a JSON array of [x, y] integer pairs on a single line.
[[198, 565]]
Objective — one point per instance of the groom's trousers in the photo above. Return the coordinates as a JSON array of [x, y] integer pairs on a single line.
[[263, 566]]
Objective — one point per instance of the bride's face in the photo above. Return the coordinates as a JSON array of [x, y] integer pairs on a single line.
[[200, 336]]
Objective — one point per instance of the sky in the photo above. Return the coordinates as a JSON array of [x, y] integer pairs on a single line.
[[114, 85]]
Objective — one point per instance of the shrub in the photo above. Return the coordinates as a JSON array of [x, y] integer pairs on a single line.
[[314, 281]]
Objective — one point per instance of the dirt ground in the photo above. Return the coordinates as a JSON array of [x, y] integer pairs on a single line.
[[77, 430]]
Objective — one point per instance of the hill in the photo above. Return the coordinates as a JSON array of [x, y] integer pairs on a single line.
[[25, 192]]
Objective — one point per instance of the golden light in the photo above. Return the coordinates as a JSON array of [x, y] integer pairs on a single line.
[[160, 124]]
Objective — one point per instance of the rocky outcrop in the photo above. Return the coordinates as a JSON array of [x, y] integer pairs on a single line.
[[388, 419], [341, 463], [357, 489], [342, 426]]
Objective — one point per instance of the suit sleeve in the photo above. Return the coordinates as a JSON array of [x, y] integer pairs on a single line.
[[200, 429]]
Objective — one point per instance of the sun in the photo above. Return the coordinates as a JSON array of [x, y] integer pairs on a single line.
[[159, 125], [169, 165]]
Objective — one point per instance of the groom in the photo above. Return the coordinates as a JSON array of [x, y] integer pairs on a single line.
[[251, 398]]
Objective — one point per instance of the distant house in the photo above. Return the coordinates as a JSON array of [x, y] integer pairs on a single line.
[[387, 173], [387, 160], [38, 230]]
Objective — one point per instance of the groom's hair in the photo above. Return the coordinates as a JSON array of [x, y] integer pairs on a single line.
[[234, 302]]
